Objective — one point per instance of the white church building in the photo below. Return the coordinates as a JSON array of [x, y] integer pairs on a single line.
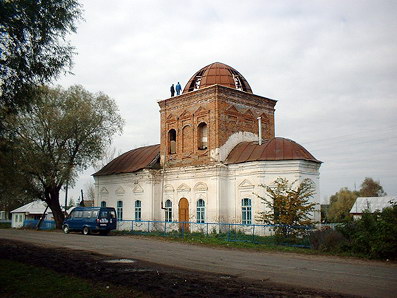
[[217, 148]]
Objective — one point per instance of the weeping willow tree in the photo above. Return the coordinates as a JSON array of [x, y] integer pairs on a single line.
[[288, 206]]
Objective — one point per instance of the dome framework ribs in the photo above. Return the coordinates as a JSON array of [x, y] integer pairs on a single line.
[[217, 74]]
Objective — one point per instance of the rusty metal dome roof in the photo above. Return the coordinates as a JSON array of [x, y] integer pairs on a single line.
[[272, 150], [217, 73]]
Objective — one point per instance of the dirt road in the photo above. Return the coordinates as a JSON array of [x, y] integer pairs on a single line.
[[347, 276]]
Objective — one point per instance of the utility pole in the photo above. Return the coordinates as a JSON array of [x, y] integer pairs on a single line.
[[66, 195], [82, 199]]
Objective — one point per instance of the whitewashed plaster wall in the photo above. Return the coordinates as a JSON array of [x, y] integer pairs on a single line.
[[192, 183], [220, 154], [221, 187], [128, 188], [17, 220], [247, 178]]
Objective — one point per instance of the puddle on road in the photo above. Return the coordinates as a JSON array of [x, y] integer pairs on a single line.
[[120, 261], [127, 261], [137, 270], [225, 277]]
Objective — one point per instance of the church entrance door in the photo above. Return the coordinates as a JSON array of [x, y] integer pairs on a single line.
[[183, 214]]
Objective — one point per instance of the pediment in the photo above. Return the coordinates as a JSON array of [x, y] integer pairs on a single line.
[[264, 116], [137, 189], [185, 114], [104, 191], [201, 187], [232, 110], [120, 191], [171, 117], [200, 110], [248, 113], [246, 184], [183, 188], [168, 188]]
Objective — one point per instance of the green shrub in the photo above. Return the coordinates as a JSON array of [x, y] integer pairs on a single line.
[[374, 235], [5, 225], [327, 240]]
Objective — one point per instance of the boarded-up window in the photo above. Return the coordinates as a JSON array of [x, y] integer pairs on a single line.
[[172, 141], [202, 133]]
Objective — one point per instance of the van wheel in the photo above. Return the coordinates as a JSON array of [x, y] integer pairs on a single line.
[[86, 231], [66, 229], [103, 233]]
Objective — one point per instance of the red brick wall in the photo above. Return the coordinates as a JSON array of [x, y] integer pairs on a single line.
[[224, 110]]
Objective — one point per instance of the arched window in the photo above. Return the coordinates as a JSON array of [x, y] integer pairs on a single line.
[[200, 211], [103, 204], [246, 209], [202, 136], [138, 210], [168, 211], [172, 141], [119, 210]]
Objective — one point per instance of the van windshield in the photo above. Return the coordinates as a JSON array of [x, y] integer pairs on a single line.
[[107, 214]]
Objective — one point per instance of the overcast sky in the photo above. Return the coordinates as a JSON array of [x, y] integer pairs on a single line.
[[331, 65]]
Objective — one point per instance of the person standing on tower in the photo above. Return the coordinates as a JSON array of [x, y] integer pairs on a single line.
[[178, 89], [172, 89]]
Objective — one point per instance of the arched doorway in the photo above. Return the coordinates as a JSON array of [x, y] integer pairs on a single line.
[[183, 214]]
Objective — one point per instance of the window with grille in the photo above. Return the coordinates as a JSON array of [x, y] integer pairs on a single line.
[[168, 211], [246, 209], [119, 210], [200, 211], [138, 210]]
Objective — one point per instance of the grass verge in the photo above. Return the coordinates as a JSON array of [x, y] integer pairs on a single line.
[[21, 280], [220, 240], [5, 225]]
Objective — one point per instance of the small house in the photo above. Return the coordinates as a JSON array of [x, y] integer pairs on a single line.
[[31, 211], [3, 215], [371, 204]]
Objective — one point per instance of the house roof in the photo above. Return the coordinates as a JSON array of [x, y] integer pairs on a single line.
[[272, 150], [372, 204], [36, 207], [132, 161]]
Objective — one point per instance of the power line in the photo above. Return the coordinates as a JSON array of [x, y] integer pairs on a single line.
[[354, 134], [352, 142]]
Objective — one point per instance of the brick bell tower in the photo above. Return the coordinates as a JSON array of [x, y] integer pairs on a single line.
[[216, 111]]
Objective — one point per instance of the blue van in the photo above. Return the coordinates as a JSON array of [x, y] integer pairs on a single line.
[[91, 219]]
